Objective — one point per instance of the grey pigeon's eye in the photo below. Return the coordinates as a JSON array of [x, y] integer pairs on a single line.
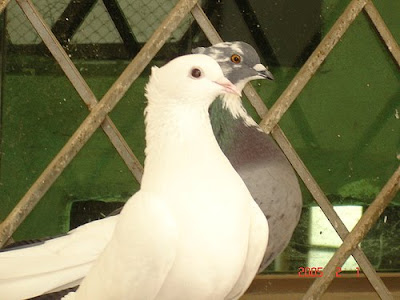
[[235, 58], [196, 73]]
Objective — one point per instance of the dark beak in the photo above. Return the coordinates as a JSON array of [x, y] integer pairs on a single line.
[[266, 74], [263, 72]]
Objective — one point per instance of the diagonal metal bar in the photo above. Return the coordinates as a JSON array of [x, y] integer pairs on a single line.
[[383, 30], [299, 166], [3, 55], [355, 236], [3, 4], [311, 66], [80, 85], [94, 119], [331, 214]]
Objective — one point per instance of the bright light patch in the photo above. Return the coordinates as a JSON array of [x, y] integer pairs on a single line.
[[324, 239]]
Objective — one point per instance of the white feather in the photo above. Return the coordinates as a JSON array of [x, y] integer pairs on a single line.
[[53, 265]]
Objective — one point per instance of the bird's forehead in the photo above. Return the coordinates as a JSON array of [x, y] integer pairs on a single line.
[[222, 52], [236, 47]]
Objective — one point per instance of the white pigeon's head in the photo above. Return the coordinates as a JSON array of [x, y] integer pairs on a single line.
[[194, 78], [239, 62]]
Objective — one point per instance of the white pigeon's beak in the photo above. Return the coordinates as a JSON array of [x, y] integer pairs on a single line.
[[229, 87]]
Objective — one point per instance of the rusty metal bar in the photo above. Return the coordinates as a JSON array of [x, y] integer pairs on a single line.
[[80, 85], [383, 30], [312, 64], [330, 213], [3, 4], [94, 119], [355, 236], [298, 165]]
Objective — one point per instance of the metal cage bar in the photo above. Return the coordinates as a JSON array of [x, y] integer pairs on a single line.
[[94, 119], [3, 4], [80, 86], [311, 66], [383, 30], [362, 227]]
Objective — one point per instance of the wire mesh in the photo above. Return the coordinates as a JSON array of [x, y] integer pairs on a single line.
[[98, 28]]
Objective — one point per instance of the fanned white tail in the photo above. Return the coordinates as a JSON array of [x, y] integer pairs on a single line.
[[55, 264]]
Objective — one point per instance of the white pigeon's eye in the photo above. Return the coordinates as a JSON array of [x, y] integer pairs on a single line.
[[196, 73], [235, 58]]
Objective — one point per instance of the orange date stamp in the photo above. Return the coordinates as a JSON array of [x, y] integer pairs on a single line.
[[318, 271]]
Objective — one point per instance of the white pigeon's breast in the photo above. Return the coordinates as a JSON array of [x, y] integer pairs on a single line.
[[211, 207], [214, 223]]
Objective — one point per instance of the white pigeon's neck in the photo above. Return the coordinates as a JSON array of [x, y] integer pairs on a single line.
[[234, 104], [175, 138]]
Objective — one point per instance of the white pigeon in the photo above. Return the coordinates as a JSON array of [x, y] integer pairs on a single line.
[[193, 231]]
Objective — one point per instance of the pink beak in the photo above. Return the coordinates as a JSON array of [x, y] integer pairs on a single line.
[[229, 87]]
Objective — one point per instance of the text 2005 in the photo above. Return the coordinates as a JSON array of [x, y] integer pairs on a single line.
[[318, 272]]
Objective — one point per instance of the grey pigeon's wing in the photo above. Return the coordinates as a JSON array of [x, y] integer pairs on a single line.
[[115, 212], [266, 172], [25, 244], [55, 295], [275, 188]]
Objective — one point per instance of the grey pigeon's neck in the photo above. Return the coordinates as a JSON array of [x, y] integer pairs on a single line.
[[242, 144], [229, 119], [223, 123]]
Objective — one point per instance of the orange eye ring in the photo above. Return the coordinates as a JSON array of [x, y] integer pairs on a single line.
[[235, 58]]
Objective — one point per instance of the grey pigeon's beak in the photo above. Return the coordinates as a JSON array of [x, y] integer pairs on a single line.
[[263, 72], [228, 86]]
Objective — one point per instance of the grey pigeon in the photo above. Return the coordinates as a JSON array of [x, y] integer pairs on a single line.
[[260, 162]]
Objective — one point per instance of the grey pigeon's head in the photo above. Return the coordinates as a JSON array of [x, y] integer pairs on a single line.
[[238, 60]]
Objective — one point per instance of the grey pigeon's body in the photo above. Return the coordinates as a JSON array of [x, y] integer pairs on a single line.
[[262, 165]]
